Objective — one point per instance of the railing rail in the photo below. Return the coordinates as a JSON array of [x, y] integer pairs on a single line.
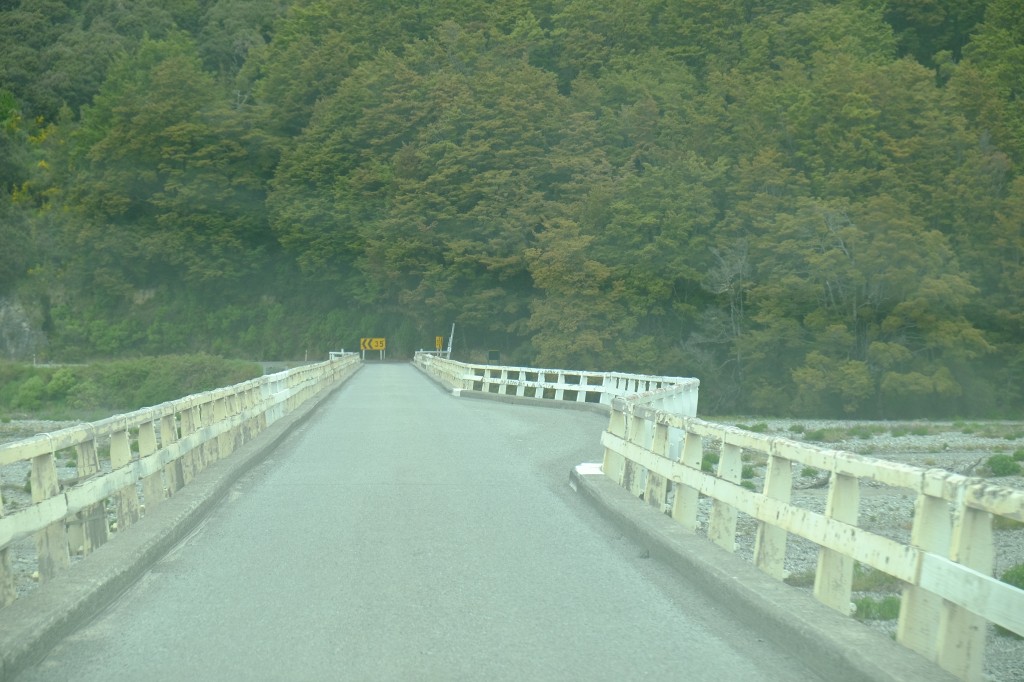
[[949, 593], [156, 451], [673, 394]]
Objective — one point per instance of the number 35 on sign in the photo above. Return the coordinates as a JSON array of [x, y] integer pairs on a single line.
[[372, 344]]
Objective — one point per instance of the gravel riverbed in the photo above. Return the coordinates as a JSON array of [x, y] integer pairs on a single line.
[[961, 448]]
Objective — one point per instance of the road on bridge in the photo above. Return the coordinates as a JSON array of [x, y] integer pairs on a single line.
[[403, 534]]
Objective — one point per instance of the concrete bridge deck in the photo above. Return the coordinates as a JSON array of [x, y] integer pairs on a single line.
[[400, 533]]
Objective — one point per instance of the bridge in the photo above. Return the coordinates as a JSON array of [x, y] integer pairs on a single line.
[[351, 521]]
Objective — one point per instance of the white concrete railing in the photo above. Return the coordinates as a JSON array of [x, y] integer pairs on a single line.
[[162, 448], [677, 395], [949, 593]]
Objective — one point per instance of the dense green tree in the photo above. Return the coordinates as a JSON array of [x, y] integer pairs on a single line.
[[812, 206], [925, 28], [167, 178]]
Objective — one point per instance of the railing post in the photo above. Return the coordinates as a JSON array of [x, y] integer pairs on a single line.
[[127, 498], [685, 503], [657, 486], [192, 460], [770, 543], [222, 413], [88, 529], [8, 593], [152, 485], [722, 524], [634, 476], [920, 610], [961, 642], [52, 541], [614, 463], [833, 578], [168, 436]]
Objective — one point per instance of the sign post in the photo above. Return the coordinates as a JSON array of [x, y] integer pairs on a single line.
[[366, 344]]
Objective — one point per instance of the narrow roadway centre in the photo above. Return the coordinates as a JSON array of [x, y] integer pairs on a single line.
[[403, 534]]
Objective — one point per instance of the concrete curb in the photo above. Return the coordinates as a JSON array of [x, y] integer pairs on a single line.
[[32, 625], [836, 647]]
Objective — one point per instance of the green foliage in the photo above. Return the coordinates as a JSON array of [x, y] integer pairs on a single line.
[[868, 579], [827, 435], [1003, 465], [1014, 576], [114, 386], [814, 207], [871, 608], [709, 462]]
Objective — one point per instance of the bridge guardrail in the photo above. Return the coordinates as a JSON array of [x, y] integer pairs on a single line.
[[949, 593], [672, 394], [159, 449]]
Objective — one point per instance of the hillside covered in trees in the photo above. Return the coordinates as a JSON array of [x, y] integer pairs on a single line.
[[816, 207]]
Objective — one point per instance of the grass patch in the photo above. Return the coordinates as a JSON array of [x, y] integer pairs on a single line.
[[830, 435], [868, 579], [797, 428], [864, 431], [869, 608], [801, 579], [865, 579], [747, 471], [709, 462]]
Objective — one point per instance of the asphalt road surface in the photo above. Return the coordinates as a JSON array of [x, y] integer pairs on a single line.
[[403, 534]]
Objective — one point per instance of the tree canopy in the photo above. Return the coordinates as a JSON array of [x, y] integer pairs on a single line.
[[813, 206]]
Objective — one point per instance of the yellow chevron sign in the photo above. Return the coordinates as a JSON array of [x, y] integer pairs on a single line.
[[373, 344]]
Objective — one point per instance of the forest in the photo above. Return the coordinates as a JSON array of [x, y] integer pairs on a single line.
[[816, 207]]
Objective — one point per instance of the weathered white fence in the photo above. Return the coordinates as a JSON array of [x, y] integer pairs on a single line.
[[158, 449], [677, 395], [949, 593]]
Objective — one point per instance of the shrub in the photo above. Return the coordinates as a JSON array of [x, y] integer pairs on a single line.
[[1003, 465], [1018, 456], [708, 462], [31, 393], [809, 472], [747, 471], [796, 428]]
